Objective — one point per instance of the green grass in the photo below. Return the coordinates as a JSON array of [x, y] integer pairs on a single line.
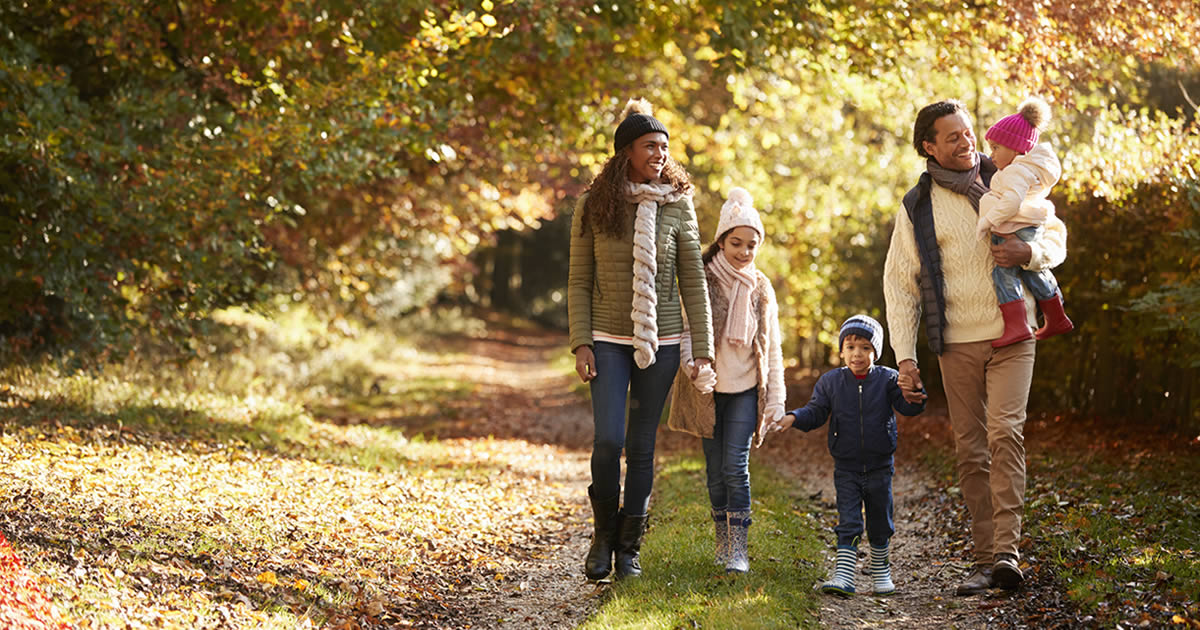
[[1123, 531], [683, 588], [1118, 528]]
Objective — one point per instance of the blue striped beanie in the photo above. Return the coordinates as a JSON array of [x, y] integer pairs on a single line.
[[866, 327]]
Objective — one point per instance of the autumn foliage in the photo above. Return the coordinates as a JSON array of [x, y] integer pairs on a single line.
[[162, 160], [23, 605]]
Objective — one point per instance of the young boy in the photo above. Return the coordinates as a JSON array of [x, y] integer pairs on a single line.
[[858, 400]]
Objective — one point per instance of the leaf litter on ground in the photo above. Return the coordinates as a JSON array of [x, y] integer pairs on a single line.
[[238, 515]]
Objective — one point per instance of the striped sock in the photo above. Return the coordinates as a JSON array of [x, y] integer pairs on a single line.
[[881, 569]]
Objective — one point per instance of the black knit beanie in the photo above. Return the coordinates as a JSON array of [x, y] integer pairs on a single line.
[[635, 126]]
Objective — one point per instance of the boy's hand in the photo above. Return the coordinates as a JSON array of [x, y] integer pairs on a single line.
[[780, 423], [910, 382]]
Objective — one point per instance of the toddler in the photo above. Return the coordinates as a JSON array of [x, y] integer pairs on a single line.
[[1017, 204]]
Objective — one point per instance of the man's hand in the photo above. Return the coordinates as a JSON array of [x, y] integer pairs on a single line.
[[1012, 252], [910, 382], [585, 363]]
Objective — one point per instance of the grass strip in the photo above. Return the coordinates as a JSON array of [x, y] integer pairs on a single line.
[[682, 587]]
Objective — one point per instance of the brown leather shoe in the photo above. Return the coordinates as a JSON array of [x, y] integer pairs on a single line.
[[978, 582], [1007, 574]]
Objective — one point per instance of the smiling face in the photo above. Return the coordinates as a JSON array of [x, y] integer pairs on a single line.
[[647, 157], [858, 354], [740, 246], [953, 145]]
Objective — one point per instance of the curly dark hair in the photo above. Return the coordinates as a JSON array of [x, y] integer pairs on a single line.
[[604, 209], [923, 130]]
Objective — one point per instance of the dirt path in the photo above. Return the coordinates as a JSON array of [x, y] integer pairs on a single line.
[[527, 401], [929, 556], [519, 397]]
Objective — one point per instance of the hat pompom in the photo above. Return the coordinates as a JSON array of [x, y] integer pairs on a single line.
[[636, 106], [740, 197], [1036, 112], [737, 211]]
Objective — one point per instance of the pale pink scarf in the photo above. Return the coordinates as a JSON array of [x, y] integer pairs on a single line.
[[740, 325]]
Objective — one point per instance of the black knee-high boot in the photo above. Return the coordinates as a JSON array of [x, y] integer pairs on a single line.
[[599, 560], [629, 544]]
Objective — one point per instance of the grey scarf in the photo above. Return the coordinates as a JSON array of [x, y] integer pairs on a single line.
[[962, 182]]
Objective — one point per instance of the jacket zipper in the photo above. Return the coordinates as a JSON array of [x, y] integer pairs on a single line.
[[862, 430]]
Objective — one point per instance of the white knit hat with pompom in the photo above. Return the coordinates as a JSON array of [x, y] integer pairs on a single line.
[[739, 211]]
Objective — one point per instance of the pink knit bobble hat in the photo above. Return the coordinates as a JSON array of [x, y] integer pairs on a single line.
[[1019, 131], [739, 211]]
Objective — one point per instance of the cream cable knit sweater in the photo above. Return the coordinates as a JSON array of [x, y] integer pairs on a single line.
[[972, 309]]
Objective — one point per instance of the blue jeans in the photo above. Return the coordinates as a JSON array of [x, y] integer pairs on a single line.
[[1042, 284], [727, 453], [616, 376], [857, 490]]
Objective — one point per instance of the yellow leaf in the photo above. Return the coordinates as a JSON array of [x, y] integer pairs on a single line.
[[488, 20], [268, 577]]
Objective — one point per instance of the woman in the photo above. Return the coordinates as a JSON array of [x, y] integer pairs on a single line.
[[635, 253]]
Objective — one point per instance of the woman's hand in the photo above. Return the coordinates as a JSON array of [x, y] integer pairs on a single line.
[[585, 363], [697, 364]]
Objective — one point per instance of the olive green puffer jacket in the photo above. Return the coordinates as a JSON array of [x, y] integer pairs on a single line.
[[600, 279]]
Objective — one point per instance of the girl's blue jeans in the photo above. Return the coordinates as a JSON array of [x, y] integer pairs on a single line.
[[617, 376], [857, 490], [727, 453], [1008, 280]]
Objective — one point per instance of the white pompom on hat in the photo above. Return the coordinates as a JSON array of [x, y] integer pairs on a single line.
[[739, 211]]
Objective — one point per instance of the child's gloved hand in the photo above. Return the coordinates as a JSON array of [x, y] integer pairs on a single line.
[[704, 378], [777, 420]]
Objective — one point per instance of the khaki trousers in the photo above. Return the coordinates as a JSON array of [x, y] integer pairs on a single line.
[[987, 390]]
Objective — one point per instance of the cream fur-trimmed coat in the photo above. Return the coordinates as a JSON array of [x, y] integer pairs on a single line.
[[695, 413], [1017, 198]]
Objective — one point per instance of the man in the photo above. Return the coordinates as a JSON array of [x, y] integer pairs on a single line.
[[939, 270]]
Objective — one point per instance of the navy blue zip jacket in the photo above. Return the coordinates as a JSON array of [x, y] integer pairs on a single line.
[[862, 425]]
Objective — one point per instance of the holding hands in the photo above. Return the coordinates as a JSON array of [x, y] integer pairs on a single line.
[[703, 376], [777, 420], [910, 382]]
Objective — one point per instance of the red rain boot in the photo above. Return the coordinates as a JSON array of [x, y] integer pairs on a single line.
[[1015, 327], [1057, 322]]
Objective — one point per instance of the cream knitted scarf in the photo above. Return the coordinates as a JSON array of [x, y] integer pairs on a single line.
[[645, 299], [738, 284]]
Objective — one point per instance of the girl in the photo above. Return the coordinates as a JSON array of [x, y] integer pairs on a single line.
[[635, 253], [748, 378], [1017, 204]]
